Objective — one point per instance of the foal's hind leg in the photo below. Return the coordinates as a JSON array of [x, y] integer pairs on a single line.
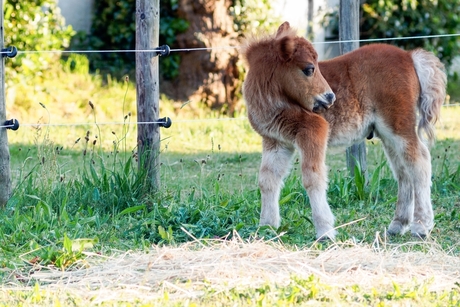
[[395, 151], [423, 211], [410, 162], [276, 163]]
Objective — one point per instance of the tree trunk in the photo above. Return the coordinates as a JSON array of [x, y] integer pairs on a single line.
[[209, 76]]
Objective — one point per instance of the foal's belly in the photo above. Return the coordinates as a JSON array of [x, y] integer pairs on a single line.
[[350, 121], [349, 132]]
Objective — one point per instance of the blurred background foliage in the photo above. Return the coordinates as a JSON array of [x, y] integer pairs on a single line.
[[407, 18], [114, 28], [34, 26], [254, 16]]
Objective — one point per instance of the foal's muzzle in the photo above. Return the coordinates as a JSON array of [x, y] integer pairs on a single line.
[[324, 101]]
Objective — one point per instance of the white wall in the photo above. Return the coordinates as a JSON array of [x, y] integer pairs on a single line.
[[77, 13]]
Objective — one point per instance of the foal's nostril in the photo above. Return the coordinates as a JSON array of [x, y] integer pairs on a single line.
[[330, 97]]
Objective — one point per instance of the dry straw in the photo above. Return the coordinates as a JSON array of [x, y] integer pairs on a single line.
[[186, 270]]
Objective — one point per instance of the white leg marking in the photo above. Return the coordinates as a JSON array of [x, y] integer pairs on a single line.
[[276, 163], [315, 182], [395, 148], [423, 220]]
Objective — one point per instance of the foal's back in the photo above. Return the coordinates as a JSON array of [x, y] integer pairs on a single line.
[[371, 84]]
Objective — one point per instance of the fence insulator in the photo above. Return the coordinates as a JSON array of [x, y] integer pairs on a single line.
[[162, 50], [10, 52], [165, 122], [12, 124]]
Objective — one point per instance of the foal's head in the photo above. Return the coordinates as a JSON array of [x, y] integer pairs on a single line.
[[285, 66]]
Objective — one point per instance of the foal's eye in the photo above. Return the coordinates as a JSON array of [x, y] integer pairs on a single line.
[[309, 70]]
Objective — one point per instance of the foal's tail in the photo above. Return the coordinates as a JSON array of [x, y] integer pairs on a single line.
[[433, 80]]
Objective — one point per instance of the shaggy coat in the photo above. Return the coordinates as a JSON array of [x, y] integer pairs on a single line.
[[297, 103]]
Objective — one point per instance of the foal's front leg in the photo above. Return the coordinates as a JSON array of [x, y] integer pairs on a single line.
[[312, 146], [276, 163]]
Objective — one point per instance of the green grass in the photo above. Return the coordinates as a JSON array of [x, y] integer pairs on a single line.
[[298, 292], [88, 195], [214, 180]]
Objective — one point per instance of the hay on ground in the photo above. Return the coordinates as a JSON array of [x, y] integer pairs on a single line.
[[187, 269]]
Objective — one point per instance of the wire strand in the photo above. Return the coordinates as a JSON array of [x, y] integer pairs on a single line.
[[124, 123], [37, 125], [388, 39], [232, 47]]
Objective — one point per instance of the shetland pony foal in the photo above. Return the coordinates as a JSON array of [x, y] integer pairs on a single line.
[[294, 102]]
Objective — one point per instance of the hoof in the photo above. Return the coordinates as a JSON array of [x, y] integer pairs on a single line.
[[324, 239], [397, 228], [326, 236], [420, 230], [275, 223]]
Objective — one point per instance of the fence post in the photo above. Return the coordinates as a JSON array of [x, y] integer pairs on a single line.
[[349, 30], [147, 89], [5, 176]]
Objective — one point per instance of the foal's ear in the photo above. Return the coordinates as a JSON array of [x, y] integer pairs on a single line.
[[285, 47], [284, 26]]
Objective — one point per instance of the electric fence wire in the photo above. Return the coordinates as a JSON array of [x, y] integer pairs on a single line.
[[243, 118], [39, 125], [235, 47]]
